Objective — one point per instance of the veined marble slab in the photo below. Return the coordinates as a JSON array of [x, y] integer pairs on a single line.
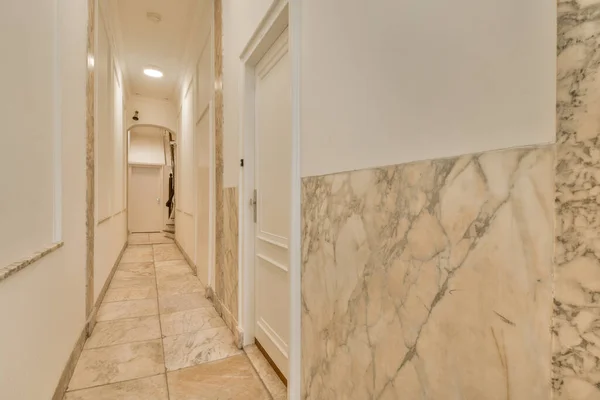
[[137, 254], [200, 347], [190, 321], [117, 363], [183, 302], [167, 252], [576, 324], [153, 388], [232, 378], [430, 280]]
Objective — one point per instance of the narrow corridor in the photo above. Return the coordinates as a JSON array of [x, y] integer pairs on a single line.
[[159, 338]]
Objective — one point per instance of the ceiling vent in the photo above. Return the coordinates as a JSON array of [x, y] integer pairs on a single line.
[[154, 17]]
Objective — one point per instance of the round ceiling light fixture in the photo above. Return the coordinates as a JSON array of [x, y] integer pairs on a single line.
[[153, 72]]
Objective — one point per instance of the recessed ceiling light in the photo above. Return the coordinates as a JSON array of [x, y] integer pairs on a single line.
[[153, 72]]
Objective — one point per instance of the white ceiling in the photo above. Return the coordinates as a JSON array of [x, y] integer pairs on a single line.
[[144, 43]]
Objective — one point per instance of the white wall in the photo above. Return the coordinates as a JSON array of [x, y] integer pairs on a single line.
[[111, 138], [152, 112], [146, 148], [196, 91], [386, 82], [28, 128], [240, 20], [184, 169], [42, 308]]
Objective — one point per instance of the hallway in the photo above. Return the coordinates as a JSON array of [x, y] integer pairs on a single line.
[[158, 337]]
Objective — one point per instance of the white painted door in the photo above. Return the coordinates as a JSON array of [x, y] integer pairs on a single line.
[[145, 199], [273, 155], [203, 191]]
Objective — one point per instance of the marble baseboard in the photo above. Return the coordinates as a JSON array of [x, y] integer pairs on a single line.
[[230, 321], [65, 377], [187, 258], [91, 322], [430, 280], [210, 293]]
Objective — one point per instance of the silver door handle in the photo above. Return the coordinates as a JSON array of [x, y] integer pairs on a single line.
[[157, 200]]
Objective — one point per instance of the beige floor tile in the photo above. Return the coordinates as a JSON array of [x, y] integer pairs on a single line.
[[126, 293], [132, 282], [167, 252], [127, 309], [229, 379], [182, 302], [152, 388], [135, 269], [190, 321], [117, 363], [165, 269], [138, 238], [158, 238], [120, 331], [138, 254], [195, 348], [181, 284], [272, 382]]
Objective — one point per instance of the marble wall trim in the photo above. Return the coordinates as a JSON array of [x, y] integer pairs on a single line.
[[91, 321], [430, 280], [17, 266], [219, 167], [576, 322], [89, 162], [69, 368], [226, 229], [226, 278], [191, 264], [230, 322]]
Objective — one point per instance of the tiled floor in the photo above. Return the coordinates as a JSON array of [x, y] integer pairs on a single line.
[[159, 338]]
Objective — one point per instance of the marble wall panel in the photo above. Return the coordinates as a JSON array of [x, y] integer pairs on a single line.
[[576, 322], [227, 278], [219, 205], [430, 280], [89, 161], [226, 229]]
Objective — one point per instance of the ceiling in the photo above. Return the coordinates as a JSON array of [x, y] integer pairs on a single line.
[[145, 43]]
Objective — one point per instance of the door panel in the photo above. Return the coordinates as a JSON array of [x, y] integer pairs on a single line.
[[273, 150], [203, 181], [145, 200]]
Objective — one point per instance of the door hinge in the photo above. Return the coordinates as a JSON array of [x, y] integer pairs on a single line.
[[241, 162]]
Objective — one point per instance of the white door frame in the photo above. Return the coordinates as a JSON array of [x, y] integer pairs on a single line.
[[281, 15]]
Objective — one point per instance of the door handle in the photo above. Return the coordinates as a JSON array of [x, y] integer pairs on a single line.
[[157, 200], [253, 205]]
